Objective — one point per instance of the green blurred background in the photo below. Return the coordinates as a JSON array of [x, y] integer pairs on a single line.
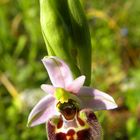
[[115, 36]]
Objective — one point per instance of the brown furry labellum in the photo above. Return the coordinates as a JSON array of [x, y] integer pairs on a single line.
[[84, 127]]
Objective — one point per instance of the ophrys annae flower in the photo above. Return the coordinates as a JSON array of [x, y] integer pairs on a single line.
[[68, 109]]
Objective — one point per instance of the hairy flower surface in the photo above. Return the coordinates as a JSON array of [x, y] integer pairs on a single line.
[[67, 97]]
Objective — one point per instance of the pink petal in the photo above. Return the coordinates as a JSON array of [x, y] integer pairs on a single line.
[[44, 110], [48, 89], [76, 84], [98, 100], [59, 72]]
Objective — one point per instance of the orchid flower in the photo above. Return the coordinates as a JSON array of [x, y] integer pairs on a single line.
[[67, 98]]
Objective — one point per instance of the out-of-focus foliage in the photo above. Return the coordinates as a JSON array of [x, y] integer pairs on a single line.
[[115, 35]]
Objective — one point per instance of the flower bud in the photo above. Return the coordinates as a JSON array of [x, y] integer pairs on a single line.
[[54, 23], [65, 30]]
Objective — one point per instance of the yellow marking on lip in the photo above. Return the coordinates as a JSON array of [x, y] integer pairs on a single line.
[[77, 128]]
